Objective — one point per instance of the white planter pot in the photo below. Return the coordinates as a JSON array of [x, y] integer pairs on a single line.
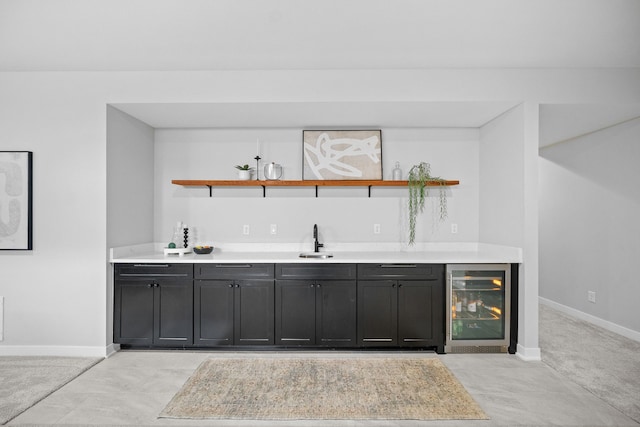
[[244, 175]]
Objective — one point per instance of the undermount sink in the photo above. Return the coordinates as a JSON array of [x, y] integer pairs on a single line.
[[316, 255]]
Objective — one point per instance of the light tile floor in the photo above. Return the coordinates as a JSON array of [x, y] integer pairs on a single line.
[[132, 387]]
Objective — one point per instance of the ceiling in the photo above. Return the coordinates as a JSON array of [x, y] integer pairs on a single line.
[[558, 122], [167, 35], [317, 114], [96, 35], [561, 122]]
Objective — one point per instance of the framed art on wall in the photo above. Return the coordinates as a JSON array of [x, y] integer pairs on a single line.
[[342, 154], [16, 214]]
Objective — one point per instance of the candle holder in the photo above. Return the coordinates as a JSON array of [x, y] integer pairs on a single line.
[[257, 167]]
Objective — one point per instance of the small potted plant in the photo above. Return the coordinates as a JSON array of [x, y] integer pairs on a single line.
[[244, 172]]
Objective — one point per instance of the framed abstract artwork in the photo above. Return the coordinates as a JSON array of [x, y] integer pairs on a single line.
[[342, 155], [16, 216]]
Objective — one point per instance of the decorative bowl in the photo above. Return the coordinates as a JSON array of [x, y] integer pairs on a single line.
[[202, 250]]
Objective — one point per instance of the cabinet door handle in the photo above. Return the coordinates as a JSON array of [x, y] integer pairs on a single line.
[[151, 265], [311, 285], [233, 266], [393, 285], [237, 286], [150, 285], [398, 266], [231, 285]]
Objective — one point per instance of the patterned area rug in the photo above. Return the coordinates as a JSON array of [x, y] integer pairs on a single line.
[[26, 380], [323, 388]]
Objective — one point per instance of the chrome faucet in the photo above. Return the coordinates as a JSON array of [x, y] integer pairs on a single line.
[[317, 245]]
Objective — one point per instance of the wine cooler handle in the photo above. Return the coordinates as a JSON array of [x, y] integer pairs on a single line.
[[450, 293]]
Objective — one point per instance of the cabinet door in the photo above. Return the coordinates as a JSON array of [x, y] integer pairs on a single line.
[[254, 312], [213, 312], [133, 312], [295, 312], [173, 312], [336, 313], [377, 313], [419, 316]]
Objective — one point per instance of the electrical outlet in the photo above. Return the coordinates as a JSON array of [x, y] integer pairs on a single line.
[[245, 229], [376, 228], [454, 228], [591, 296], [273, 229]]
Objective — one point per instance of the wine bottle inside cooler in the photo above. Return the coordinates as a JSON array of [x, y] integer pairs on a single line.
[[471, 304]]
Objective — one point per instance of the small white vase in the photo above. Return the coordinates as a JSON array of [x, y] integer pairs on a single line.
[[244, 175]]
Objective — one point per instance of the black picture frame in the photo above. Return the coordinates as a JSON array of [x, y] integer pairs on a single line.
[[16, 200]]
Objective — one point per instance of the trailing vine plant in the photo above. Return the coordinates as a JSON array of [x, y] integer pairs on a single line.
[[419, 176]]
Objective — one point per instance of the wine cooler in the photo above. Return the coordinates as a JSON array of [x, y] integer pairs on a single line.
[[478, 301]]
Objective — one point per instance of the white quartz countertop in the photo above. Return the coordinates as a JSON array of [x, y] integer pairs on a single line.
[[442, 253]]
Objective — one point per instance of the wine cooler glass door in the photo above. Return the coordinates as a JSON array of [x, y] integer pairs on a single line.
[[478, 305]]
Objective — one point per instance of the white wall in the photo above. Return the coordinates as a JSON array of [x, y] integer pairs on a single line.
[[55, 296], [502, 180], [342, 214], [589, 229], [130, 180]]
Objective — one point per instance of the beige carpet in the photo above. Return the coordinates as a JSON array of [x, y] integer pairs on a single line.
[[605, 363], [323, 388], [25, 380]]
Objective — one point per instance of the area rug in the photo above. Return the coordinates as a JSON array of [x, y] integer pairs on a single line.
[[25, 380], [323, 388]]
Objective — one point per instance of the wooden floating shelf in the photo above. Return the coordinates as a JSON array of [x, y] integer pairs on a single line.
[[299, 183]]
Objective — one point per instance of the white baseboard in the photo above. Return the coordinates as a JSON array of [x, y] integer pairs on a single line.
[[67, 351], [604, 324], [528, 354], [112, 349]]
